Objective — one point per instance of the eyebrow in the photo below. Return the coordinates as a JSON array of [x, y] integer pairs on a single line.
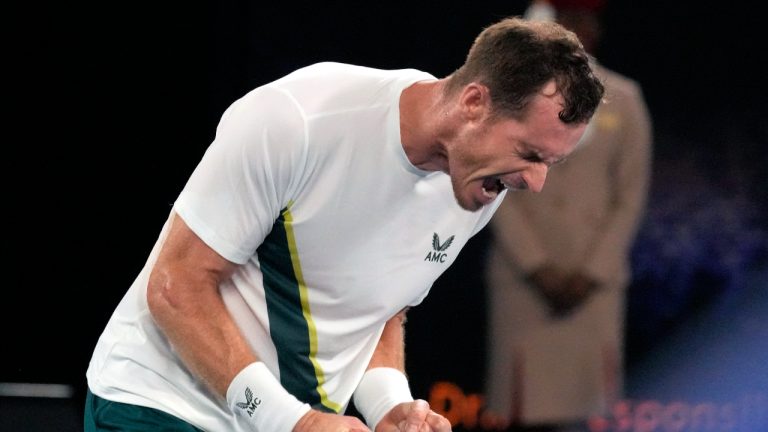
[[537, 155]]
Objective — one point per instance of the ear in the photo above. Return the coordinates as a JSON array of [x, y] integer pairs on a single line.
[[475, 101]]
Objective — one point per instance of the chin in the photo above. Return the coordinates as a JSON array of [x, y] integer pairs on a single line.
[[468, 204]]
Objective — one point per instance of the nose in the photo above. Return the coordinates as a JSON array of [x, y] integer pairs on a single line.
[[535, 177]]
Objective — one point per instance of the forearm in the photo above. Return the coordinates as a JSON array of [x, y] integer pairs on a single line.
[[184, 299], [383, 396], [384, 384], [608, 256], [390, 351], [193, 317]]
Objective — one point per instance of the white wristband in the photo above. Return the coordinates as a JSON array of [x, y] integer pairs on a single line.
[[257, 397], [379, 391]]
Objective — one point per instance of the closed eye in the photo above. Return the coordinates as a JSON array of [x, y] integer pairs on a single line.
[[532, 157], [535, 158]]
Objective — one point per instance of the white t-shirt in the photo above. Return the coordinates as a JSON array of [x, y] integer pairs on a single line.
[[307, 186]]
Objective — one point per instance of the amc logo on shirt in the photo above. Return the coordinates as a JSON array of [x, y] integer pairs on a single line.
[[438, 253]]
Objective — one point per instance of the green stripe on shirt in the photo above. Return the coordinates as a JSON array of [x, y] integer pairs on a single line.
[[290, 320]]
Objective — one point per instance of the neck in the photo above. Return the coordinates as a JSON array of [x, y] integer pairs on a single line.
[[422, 108]]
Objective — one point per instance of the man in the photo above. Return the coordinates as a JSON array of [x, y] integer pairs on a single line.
[[558, 267], [328, 203]]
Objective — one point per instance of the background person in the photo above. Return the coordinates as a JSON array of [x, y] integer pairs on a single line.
[[558, 266]]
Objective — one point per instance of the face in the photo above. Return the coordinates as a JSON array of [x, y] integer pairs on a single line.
[[490, 154]]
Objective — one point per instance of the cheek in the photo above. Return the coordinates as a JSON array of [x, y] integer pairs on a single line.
[[463, 151], [480, 148], [476, 149]]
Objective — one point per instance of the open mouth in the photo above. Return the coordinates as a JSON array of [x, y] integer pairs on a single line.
[[492, 187]]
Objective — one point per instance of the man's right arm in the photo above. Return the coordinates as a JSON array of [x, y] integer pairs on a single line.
[[183, 297]]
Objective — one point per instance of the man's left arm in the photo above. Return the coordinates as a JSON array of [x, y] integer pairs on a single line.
[[383, 396], [605, 264], [632, 171]]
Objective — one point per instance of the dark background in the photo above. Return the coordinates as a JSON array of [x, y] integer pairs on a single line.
[[112, 104]]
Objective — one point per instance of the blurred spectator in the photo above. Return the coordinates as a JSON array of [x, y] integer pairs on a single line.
[[559, 265]]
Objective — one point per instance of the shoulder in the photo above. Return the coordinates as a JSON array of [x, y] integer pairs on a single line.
[[330, 87], [262, 106], [341, 75]]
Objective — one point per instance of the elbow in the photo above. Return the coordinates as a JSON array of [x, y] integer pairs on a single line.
[[160, 295]]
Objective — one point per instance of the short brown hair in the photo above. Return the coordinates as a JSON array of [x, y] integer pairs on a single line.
[[515, 58]]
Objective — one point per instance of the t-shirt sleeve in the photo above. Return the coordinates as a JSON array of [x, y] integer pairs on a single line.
[[249, 174]]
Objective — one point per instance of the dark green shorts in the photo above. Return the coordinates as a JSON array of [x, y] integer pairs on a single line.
[[104, 415]]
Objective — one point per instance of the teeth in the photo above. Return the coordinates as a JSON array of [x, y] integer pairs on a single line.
[[489, 194], [506, 185]]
